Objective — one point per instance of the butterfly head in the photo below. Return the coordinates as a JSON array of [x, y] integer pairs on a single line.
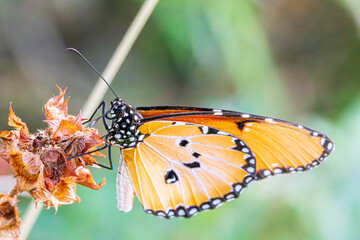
[[117, 108]]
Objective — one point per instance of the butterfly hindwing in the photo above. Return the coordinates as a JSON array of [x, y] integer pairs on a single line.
[[125, 193], [279, 146], [179, 169]]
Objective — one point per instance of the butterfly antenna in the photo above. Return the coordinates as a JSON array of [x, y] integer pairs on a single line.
[[76, 51]]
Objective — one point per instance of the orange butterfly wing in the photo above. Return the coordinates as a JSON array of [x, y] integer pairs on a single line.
[[180, 169], [147, 112], [279, 146]]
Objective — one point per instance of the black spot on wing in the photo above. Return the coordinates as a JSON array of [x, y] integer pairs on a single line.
[[183, 143], [241, 125], [212, 131], [171, 177], [208, 130], [194, 164], [197, 155]]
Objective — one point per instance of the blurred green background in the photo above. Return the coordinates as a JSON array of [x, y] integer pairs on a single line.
[[295, 60]]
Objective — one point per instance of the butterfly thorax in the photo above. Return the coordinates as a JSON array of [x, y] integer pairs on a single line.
[[125, 121]]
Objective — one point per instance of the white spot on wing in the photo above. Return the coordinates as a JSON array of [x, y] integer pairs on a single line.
[[248, 179], [171, 213], [245, 150], [329, 146], [222, 133], [267, 173], [250, 169], [193, 211], [245, 115], [181, 212], [205, 129], [247, 156], [229, 196], [217, 112], [205, 206], [141, 137], [161, 214], [252, 161], [238, 187], [216, 202]]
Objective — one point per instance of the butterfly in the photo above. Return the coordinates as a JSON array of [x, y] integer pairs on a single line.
[[180, 161]]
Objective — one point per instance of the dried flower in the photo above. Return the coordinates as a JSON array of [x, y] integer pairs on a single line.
[[40, 161], [9, 216]]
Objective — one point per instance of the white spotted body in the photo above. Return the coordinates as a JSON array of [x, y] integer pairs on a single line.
[[123, 129]]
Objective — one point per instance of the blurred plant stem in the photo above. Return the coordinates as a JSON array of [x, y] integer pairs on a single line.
[[354, 7], [98, 92], [119, 56], [30, 216]]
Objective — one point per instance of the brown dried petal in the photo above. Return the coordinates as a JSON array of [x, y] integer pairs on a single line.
[[16, 122], [85, 178], [7, 138], [26, 167], [94, 139], [56, 107], [56, 164], [74, 145], [65, 127], [9, 217], [65, 193], [88, 160], [4, 156]]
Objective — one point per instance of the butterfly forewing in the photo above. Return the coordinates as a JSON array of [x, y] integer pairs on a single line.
[[279, 146], [182, 168]]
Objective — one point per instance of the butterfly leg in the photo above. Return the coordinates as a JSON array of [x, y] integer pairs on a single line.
[[110, 159], [103, 116], [102, 106], [86, 153], [107, 145]]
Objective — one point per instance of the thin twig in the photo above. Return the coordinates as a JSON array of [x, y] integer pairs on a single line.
[[100, 89], [28, 220], [119, 56]]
